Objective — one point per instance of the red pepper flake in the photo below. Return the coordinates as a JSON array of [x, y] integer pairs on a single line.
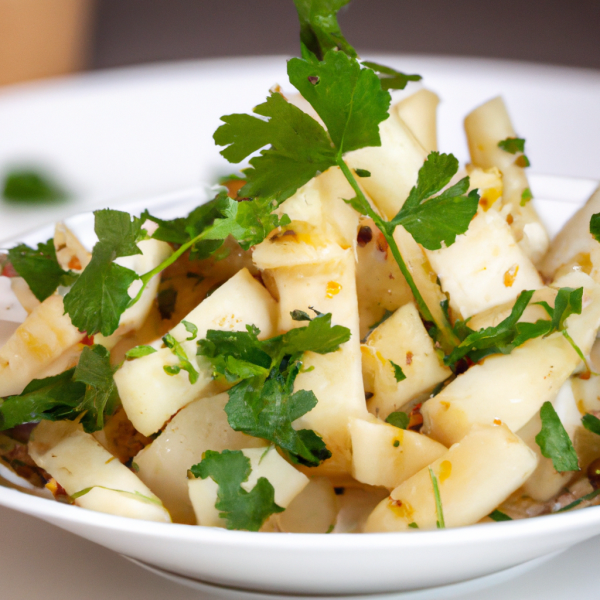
[[382, 244], [409, 357], [415, 421], [88, 340], [75, 264]]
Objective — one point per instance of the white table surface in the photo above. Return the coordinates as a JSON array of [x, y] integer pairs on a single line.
[[138, 131]]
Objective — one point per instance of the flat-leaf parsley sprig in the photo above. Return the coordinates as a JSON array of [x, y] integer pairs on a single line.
[[351, 102], [262, 403]]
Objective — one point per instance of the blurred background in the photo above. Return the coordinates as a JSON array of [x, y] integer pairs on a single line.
[[40, 38]]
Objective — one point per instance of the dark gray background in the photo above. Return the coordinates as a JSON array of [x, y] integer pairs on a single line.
[[563, 32]]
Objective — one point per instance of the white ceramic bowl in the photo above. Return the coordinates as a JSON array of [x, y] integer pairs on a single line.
[[324, 564]]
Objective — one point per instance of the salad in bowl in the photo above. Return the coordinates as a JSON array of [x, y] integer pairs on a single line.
[[353, 335]]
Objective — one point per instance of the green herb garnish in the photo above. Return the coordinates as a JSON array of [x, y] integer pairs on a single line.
[[398, 419], [88, 390], [439, 511], [262, 402], [240, 509], [554, 441], [40, 269], [31, 186]]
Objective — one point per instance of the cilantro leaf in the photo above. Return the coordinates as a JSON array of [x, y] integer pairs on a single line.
[[101, 397], [299, 148], [87, 390], [398, 372], [433, 221], [595, 226], [347, 97], [30, 185], [184, 362], [390, 78], [263, 403], [99, 297], [591, 423], [554, 442], [319, 28], [40, 269], [398, 419], [240, 509]]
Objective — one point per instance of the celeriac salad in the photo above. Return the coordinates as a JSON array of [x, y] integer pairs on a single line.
[[353, 335]]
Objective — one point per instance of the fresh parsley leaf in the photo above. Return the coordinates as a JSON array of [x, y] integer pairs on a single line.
[[140, 351], [591, 423], [433, 221], [568, 302], [300, 315], [398, 372], [52, 399], [262, 403], [248, 221], [319, 28], [40, 269], [554, 442], [299, 148], [87, 390], [191, 329], [101, 396], [30, 185], [99, 297], [498, 516], [413, 525], [440, 523], [595, 226], [240, 509], [184, 362], [347, 97], [390, 78], [185, 229], [514, 145], [502, 338], [398, 419]]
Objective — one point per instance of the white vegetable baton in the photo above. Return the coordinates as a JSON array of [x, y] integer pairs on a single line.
[[150, 396], [91, 473], [474, 477]]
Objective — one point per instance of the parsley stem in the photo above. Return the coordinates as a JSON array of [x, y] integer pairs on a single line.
[[441, 524], [146, 277], [387, 229], [579, 352]]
